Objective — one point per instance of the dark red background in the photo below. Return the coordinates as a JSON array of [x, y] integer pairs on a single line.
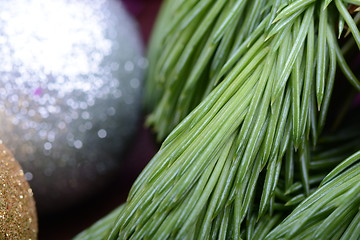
[[69, 222]]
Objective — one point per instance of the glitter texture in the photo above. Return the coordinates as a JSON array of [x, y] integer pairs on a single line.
[[18, 220], [71, 78]]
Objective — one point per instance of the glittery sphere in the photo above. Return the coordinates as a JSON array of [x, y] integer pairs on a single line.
[[18, 220], [70, 86]]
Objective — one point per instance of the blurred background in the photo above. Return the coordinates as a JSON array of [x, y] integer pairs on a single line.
[[74, 215], [68, 222]]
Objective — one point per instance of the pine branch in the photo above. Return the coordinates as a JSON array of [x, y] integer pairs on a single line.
[[269, 90], [231, 125], [331, 151], [216, 31], [331, 212]]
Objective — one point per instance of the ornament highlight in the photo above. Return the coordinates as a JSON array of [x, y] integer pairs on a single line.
[[18, 219], [71, 78]]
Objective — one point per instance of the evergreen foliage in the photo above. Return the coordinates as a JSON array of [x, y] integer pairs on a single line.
[[241, 90]]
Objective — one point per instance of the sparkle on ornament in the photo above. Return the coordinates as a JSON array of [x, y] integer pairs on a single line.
[[28, 176], [143, 63], [129, 66], [78, 144], [88, 125], [111, 111], [134, 83], [85, 115], [102, 133], [47, 146]]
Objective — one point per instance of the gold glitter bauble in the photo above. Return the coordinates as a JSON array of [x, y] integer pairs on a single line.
[[18, 220]]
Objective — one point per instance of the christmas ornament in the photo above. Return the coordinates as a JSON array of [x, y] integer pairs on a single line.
[[71, 79], [18, 220]]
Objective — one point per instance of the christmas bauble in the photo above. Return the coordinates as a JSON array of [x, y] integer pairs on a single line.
[[70, 85], [18, 220]]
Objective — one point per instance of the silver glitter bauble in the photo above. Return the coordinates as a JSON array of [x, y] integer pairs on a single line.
[[70, 86]]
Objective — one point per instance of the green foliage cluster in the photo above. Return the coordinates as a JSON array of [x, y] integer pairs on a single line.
[[240, 90]]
